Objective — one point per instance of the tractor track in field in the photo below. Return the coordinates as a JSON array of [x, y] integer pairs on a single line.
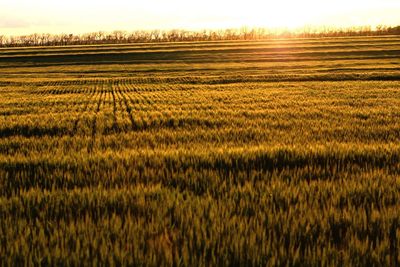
[[94, 122], [115, 122], [128, 109], [92, 93]]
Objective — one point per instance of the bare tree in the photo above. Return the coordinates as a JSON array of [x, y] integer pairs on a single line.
[[2, 40], [243, 33]]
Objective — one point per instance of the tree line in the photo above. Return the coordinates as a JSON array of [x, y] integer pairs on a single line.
[[121, 37]]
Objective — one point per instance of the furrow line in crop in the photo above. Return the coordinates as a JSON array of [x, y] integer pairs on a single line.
[[91, 93], [115, 124], [94, 123], [128, 109]]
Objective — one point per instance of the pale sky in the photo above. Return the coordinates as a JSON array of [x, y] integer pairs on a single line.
[[78, 16]]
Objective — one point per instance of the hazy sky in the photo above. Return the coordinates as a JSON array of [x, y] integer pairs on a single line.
[[77, 16]]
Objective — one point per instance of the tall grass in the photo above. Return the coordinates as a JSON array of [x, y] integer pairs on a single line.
[[167, 168]]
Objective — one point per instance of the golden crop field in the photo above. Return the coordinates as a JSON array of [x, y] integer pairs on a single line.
[[235, 153]]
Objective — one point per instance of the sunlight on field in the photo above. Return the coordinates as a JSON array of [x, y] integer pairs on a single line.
[[218, 153]]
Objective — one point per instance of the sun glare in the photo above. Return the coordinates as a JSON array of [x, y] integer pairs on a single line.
[[280, 18], [23, 16]]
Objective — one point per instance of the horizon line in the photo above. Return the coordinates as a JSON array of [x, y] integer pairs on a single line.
[[315, 29]]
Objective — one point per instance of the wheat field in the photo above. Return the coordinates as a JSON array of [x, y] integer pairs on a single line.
[[234, 153]]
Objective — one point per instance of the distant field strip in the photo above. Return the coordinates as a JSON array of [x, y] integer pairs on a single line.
[[263, 153], [289, 50]]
